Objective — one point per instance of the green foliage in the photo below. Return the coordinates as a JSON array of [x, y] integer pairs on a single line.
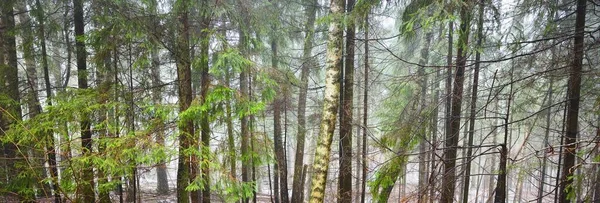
[[116, 159]]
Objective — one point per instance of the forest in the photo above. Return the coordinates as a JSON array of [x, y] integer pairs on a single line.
[[347, 101]]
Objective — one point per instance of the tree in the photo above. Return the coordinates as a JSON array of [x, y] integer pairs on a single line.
[[204, 119], [186, 126], [451, 141], [82, 74], [51, 157], [363, 193], [573, 98], [347, 96], [330, 103], [473, 108], [10, 105], [307, 64]]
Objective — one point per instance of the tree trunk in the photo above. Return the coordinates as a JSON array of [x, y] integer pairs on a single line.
[[132, 189], [365, 113], [205, 84], [468, 159], [10, 87], [545, 143], [87, 187], [501, 184], [279, 148], [33, 103], [448, 95], [51, 157], [449, 178], [186, 126], [330, 104], [423, 165], [573, 105], [162, 186], [244, 33], [596, 184], [345, 148], [307, 64]]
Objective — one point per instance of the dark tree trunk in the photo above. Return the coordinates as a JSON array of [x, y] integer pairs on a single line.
[[51, 157], [345, 148], [9, 87], [448, 95], [205, 84], [307, 64], [451, 142], [365, 114], [468, 158], [87, 187], [279, 146], [423, 164], [186, 127], [573, 94], [244, 33]]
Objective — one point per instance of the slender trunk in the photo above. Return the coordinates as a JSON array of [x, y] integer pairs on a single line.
[[448, 102], [501, 184], [276, 190], [31, 98], [434, 135], [330, 105], [448, 181], [475, 86], [205, 84], [244, 33], [277, 132], [87, 187], [69, 49], [132, 189], [345, 148], [596, 184], [519, 188], [230, 136], [186, 126], [365, 113], [423, 165], [573, 94], [51, 157], [307, 63], [490, 193], [162, 186], [545, 143]]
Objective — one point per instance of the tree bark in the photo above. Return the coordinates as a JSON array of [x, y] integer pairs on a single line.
[[279, 148], [186, 126], [10, 87], [330, 104], [451, 142], [468, 158], [307, 64], [51, 156], [244, 33], [87, 186], [205, 85], [365, 114], [422, 187], [573, 93], [37, 156], [448, 95], [345, 148]]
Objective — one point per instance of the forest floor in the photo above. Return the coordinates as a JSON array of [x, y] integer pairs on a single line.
[[146, 197]]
